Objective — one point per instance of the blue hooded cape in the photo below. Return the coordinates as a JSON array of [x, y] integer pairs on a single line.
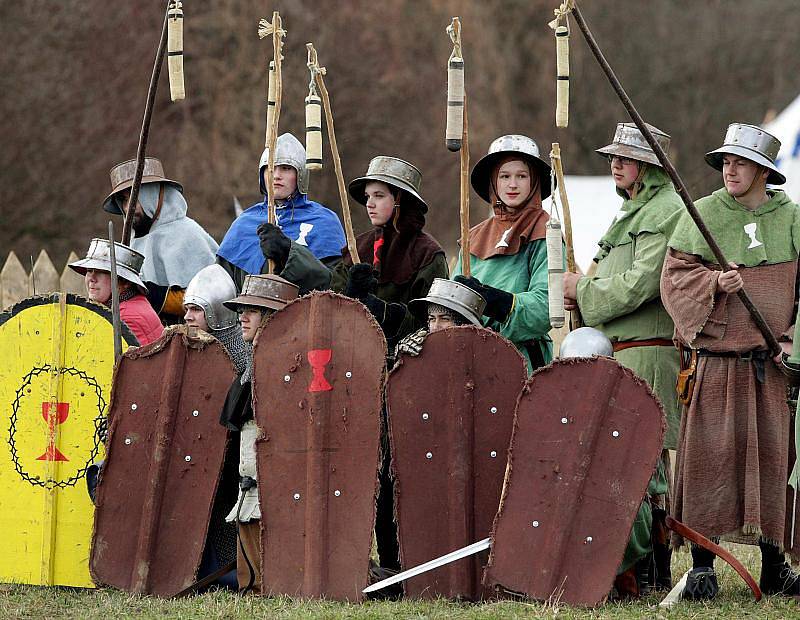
[[302, 220]]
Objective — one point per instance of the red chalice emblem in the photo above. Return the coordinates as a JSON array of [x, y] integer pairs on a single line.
[[62, 411], [319, 358]]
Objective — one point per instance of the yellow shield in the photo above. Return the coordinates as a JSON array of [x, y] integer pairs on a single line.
[[55, 384]]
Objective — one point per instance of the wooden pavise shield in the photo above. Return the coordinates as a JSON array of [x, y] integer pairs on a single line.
[[451, 412], [586, 439], [55, 386], [165, 459], [318, 376]]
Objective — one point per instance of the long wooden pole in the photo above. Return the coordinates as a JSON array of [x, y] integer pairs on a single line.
[[680, 187], [337, 162], [572, 267], [115, 316], [144, 134], [466, 268], [277, 32]]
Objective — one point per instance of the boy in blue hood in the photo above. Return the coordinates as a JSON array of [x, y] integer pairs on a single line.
[[305, 229]]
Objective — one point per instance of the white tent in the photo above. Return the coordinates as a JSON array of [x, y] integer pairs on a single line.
[[786, 127], [593, 203]]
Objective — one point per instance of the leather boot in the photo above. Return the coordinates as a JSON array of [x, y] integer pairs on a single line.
[[644, 574], [702, 581], [662, 554], [777, 576]]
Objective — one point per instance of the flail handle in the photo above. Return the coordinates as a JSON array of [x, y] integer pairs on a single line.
[[175, 50], [562, 76]]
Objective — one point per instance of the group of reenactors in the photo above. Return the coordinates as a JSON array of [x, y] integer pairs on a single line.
[[657, 293]]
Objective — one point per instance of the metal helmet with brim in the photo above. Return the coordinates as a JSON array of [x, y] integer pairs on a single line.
[[122, 179], [753, 143], [209, 289], [264, 291], [393, 171], [98, 257], [289, 151], [453, 296], [629, 142], [513, 144]]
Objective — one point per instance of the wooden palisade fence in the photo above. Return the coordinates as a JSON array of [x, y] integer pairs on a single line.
[[17, 283]]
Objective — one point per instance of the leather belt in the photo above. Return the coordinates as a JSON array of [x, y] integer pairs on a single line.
[[757, 358], [653, 342]]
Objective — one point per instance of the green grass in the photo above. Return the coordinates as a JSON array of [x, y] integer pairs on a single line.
[[734, 601]]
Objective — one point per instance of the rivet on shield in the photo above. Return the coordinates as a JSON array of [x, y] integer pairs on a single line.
[[127, 441], [296, 496], [337, 492], [564, 420], [588, 540], [615, 434], [348, 374], [187, 458], [493, 454], [425, 416], [287, 378], [535, 524], [493, 409], [195, 413], [134, 407], [429, 455]]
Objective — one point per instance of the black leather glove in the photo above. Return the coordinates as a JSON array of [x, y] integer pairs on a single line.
[[498, 302], [389, 316], [361, 282], [274, 244]]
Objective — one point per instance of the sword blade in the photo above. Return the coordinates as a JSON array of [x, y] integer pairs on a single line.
[[431, 564]]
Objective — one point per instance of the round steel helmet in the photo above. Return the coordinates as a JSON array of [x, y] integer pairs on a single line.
[[129, 262], [264, 291], [453, 296], [629, 142], [208, 289], [289, 151], [122, 178], [509, 145], [753, 143], [586, 342], [393, 171]]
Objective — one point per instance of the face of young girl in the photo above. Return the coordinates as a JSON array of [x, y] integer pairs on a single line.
[[98, 285], [380, 202], [513, 183]]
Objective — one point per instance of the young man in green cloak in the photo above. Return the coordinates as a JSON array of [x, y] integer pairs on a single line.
[[733, 447], [622, 299]]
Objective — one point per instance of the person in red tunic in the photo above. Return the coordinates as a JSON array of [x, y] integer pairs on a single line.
[[134, 308]]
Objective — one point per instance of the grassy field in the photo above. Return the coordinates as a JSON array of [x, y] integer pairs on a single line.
[[734, 601]]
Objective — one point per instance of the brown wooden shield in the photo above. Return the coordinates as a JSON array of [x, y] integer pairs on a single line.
[[587, 435], [319, 369], [165, 454], [451, 412]]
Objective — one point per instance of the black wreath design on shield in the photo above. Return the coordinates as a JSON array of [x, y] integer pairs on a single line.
[[99, 425]]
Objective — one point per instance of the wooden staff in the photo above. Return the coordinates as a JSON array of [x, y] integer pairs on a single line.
[[275, 29], [457, 132], [318, 73], [758, 318], [145, 133], [115, 316], [466, 267], [572, 267]]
